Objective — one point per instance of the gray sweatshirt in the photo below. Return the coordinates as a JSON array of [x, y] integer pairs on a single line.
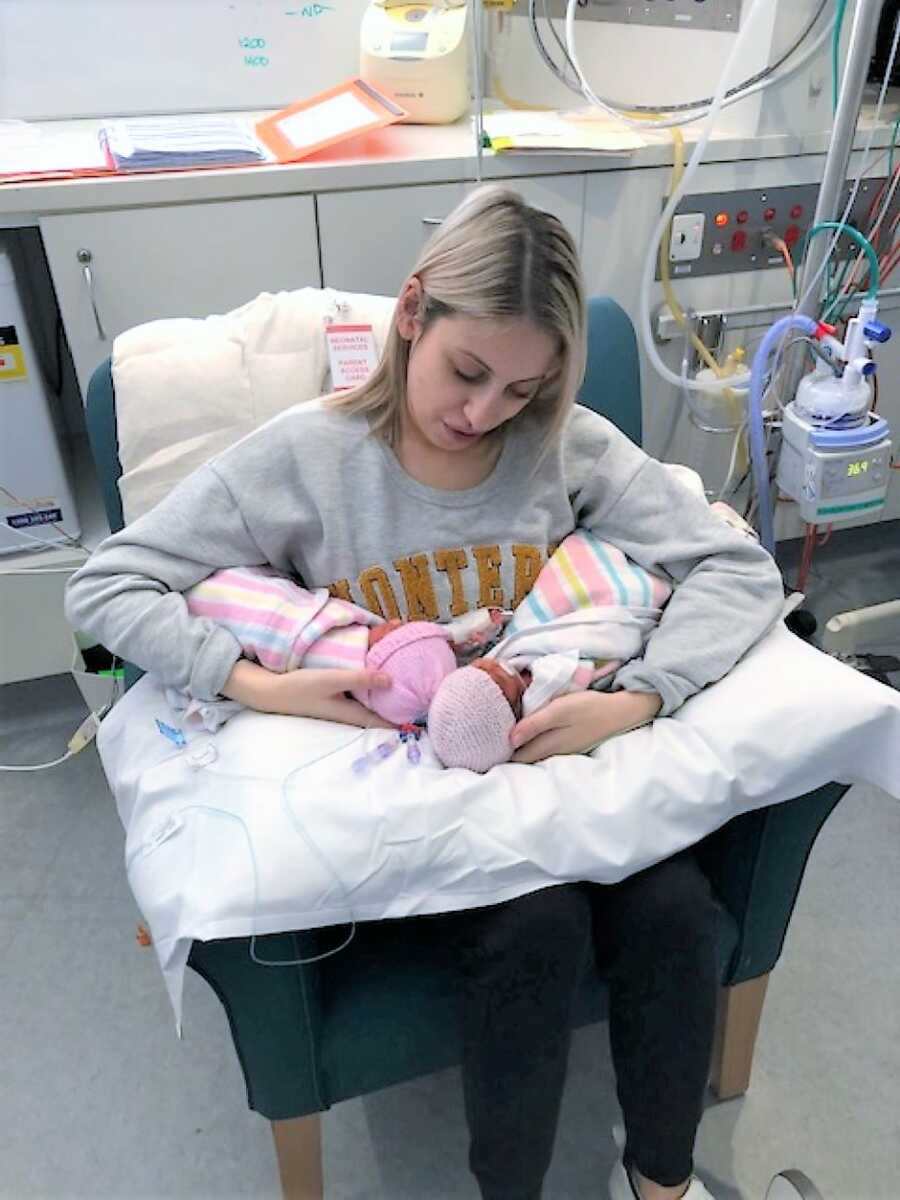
[[315, 495]]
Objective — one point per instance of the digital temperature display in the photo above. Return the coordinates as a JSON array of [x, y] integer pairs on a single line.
[[857, 468]]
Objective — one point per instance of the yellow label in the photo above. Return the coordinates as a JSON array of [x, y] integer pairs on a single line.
[[12, 363]]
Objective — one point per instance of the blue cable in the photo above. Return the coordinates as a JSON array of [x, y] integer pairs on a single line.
[[755, 420]]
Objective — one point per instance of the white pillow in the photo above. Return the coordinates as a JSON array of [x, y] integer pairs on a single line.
[[188, 389], [264, 826]]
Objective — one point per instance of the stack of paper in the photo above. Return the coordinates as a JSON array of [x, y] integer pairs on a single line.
[[27, 152], [589, 132], [167, 143]]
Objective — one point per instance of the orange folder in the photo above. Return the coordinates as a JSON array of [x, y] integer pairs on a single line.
[[348, 109]]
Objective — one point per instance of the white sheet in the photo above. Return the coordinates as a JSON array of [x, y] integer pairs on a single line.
[[264, 826]]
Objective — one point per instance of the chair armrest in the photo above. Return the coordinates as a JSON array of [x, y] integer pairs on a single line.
[[275, 1014], [100, 417], [756, 864]]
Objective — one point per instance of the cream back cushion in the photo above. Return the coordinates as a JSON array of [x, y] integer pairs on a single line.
[[187, 389]]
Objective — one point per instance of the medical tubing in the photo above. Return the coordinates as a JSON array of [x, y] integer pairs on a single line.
[[755, 420], [885, 202], [542, 49], [699, 109], [664, 274], [673, 202], [732, 464], [866, 154], [865, 167], [863, 242], [221, 812], [894, 131], [549, 19], [697, 417], [836, 52]]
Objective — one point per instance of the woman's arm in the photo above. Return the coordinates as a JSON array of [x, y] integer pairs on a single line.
[[307, 692], [129, 593], [729, 590], [578, 722]]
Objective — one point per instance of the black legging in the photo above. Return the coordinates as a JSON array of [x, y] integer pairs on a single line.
[[655, 937]]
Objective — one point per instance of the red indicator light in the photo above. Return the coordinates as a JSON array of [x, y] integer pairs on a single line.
[[792, 235], [721, 219], [743, 217], [796, 212], [739, 240], [769, 214]]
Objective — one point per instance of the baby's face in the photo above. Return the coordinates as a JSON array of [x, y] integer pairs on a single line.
[[512, 686]]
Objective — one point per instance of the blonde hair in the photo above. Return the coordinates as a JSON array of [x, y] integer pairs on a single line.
[[494, 256]]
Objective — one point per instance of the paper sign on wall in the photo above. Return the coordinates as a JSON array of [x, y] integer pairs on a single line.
[[351, 352]]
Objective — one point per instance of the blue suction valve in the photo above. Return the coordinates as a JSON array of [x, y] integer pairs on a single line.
[[875, 331], [868, 368]]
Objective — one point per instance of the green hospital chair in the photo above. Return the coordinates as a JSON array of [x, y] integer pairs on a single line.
[[386, 1009]]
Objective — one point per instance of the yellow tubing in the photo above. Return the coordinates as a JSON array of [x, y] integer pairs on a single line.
[[665, 278], [730, 398], [510, 101]]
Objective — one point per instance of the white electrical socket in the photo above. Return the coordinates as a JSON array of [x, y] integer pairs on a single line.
[[687, 237]]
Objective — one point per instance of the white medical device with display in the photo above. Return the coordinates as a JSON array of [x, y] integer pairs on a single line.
[[36, 505], [836, 453], [417, 54]]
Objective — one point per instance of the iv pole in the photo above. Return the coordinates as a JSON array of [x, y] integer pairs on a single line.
[[863, 34]]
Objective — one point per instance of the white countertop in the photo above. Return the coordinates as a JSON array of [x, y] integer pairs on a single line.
[[397, 156]]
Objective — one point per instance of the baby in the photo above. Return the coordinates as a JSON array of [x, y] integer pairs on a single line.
[[284, 626], [590, 610]]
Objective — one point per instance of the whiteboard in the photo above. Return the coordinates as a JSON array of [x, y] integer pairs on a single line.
[[100, 58]]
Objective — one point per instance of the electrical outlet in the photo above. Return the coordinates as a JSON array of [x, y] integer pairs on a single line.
[[687, 237]]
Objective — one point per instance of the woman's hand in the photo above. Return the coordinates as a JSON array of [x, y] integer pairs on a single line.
[[578, 722], [307, 692]]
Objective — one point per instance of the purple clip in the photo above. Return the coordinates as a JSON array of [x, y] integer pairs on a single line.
[[374, 757]]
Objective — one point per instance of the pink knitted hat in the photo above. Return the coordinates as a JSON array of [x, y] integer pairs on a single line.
[[418, 657], [470, 720]]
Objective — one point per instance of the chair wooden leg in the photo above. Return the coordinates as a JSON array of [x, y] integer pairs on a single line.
[[740, 1008], [298, 1146]]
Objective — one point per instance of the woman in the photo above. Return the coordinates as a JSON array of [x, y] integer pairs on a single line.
[[435, 488]]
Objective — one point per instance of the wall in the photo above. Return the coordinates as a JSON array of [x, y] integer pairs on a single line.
[[108, 57]]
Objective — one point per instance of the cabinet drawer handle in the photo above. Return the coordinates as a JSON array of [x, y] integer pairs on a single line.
[[432, 220], [86, 258]]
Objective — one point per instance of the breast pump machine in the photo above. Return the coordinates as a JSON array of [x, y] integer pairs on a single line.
[[417, 54]]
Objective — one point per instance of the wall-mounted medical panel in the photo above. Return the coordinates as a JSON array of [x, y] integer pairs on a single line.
[[719, 233], [724, 15]]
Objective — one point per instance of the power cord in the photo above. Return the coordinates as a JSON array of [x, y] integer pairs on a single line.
[[83, 736]]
